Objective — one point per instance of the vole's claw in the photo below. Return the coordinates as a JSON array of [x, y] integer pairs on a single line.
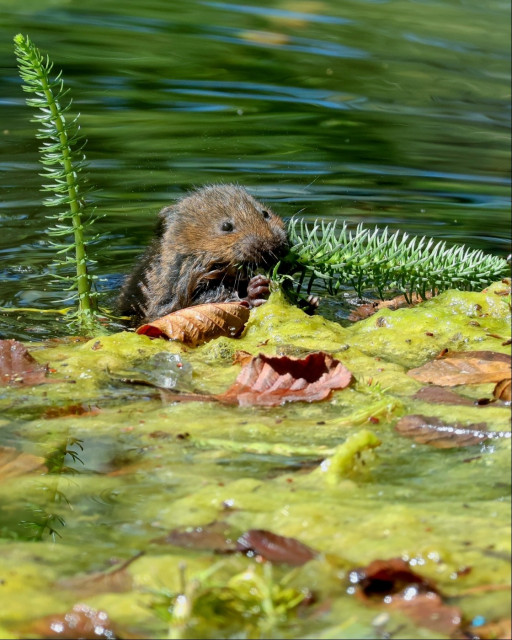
[[257, 290]]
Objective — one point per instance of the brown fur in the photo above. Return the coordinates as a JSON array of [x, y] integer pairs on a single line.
[[194, 260]]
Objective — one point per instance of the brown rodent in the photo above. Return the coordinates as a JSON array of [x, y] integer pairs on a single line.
[[207, 246]]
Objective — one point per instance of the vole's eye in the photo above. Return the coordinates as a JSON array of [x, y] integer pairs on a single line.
[[227, 226], [266, 215]]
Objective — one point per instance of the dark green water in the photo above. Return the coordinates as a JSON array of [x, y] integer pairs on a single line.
[[389, 112]]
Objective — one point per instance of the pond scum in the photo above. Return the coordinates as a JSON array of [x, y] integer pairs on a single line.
[[158, 518], [129, 514]]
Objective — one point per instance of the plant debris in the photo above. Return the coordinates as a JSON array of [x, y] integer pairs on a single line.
[[81, 623], [272, 381], [14, 463], [199, 324], [18, 367], [275, 548], [433, 431], [464, 367], [394, 583]]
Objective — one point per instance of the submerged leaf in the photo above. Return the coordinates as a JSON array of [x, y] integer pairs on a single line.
[[212, 537], [464, 367], [14, 463], [364, 311], [199, 324], [275, 548], [272, 381], [431, 430], [18, 367], [440, 395]]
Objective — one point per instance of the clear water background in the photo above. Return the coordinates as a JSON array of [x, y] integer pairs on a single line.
[[393, 113]]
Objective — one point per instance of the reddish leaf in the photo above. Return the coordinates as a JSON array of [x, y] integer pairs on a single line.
[[393, 582], [14, 463], [440, 395], [464, 367], [212, 537], [272, 381], [18, 367], [70, 410], [502, 391], [195, 325], [387, 577], [81, 622], [431, 430], [275, 548]]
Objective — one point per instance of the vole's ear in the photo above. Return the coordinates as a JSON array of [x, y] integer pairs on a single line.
[[165, 214]]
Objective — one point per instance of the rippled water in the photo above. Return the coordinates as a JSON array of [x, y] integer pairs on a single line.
[[388, 112]]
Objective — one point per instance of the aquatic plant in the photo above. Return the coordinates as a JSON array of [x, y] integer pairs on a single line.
[[63, 161], [377, 259]]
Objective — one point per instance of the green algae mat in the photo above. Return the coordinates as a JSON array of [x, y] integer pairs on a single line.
[[380, 512]]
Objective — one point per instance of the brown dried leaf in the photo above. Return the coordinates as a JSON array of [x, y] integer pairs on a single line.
[[275, 548], [272, 381], [395, 583], [364, 311], [196, 325], [464, 367], [387, 577], [18, 367], [440, 395], [82, 622], [81, 410], [431, 430], [13, 463], [502, 391], [242, 357], [212, 537]]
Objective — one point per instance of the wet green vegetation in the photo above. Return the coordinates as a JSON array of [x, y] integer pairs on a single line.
[[126, 469]]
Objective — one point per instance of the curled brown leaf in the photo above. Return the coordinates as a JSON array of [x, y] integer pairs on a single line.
[[502, 390], [199, 324], [272, 381], [394, 583]]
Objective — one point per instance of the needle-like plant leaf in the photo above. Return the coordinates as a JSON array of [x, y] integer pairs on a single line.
[[63, 161], [364, 259]]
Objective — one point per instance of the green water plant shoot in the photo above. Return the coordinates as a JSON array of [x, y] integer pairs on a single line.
[[364, 259], [63, 161]]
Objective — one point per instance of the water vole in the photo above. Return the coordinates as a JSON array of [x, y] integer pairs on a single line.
[[206, 248]]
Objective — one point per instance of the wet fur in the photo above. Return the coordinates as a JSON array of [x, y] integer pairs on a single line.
[[192, 260]]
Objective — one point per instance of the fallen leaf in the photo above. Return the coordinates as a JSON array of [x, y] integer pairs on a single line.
[[272, 381], [394, 583], [464, 367], [81, 410], [82, 622], [14, 463], [441, 395], [502, 391], [387, 577], [433, 431], [116, 580], [275, 548], [364, 311], [18, 367], [212, 537], [196, 325]]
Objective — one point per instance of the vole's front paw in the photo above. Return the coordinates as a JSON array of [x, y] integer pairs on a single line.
[[257, 290]]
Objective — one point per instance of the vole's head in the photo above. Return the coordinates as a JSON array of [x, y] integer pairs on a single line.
[[226, 226]]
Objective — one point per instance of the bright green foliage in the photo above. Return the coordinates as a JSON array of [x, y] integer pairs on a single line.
[[374, 259], [63, 160]]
